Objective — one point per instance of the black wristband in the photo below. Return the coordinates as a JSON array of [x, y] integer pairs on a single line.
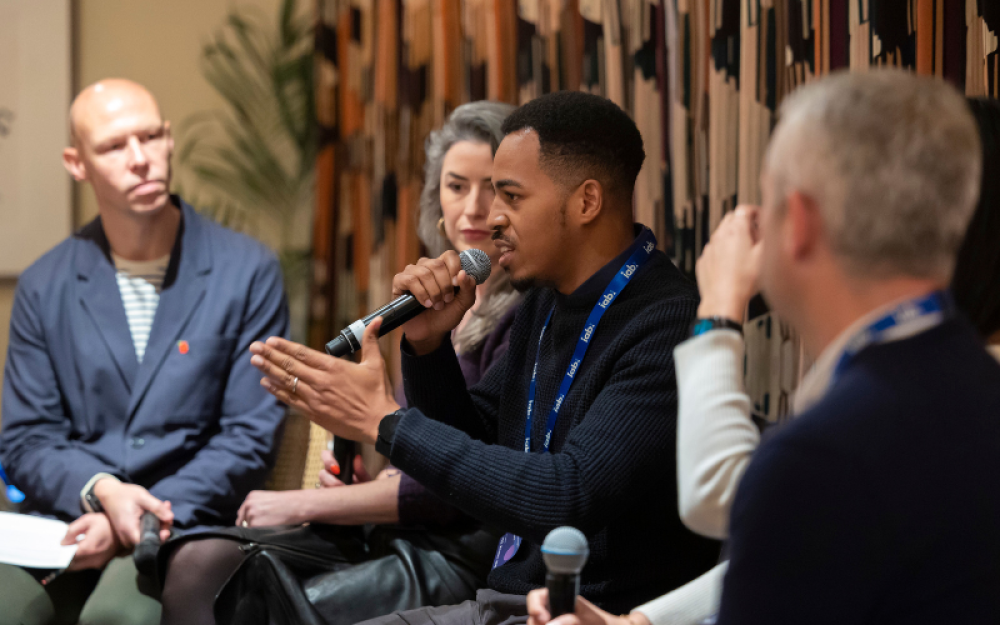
[[387, 432], [92, 500], [706, 324]]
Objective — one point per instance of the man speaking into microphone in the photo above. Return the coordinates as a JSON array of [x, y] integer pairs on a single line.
[[575, 426]]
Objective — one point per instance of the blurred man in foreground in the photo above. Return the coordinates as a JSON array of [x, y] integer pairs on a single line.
[[872, 506], [125, 388]]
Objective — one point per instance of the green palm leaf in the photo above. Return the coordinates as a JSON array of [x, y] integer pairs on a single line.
[[255, 159]]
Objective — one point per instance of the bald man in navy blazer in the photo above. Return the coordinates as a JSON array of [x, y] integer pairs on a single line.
[[129, 389]]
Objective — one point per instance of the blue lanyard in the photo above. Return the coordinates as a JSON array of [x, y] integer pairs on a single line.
[[509, 543], [647, 243], [932, 308]]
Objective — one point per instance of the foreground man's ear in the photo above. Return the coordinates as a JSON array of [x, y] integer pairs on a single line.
[[804, 225]]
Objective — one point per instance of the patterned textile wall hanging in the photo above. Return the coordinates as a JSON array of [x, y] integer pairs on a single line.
[[702, 79], [390, 71], [734, 61]]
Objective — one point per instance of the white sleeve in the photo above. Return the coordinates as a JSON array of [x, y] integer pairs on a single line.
[[690, 604], [715, 435]]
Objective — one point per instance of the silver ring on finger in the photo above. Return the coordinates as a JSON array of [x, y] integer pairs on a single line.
[[244, 523], [295, 384]]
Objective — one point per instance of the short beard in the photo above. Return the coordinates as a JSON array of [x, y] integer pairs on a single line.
[[526, 284], [523, 285]]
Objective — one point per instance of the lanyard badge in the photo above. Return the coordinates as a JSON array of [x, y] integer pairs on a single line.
[[915, 314], [510, 543]]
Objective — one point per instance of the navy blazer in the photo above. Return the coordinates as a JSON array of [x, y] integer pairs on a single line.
[[193, 426]]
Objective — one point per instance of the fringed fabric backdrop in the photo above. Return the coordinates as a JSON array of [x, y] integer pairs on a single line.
[[702, 79]]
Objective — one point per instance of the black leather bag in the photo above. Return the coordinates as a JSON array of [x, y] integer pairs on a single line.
[[332, 575]]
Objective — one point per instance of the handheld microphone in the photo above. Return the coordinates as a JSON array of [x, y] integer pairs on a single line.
[[344, 452], [148, 545], [565, 551], [405, 307]]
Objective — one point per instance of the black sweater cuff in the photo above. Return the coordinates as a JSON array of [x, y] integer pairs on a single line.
[[406, 350], [387, 432], [430, 378]]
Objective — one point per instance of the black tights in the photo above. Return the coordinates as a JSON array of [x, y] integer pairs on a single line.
[[196, 573]]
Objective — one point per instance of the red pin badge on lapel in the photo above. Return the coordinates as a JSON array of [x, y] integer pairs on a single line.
[[183, 347]]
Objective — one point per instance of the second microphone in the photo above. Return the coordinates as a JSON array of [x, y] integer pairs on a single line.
[[475, 262]]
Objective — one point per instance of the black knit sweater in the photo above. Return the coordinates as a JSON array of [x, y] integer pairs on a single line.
[[611, 472]]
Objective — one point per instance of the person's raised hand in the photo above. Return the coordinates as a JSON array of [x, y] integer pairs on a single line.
[[348, 399], [95, 540], [328, 475], [432, 282], [729, 266], [124, 505], [586, 613]]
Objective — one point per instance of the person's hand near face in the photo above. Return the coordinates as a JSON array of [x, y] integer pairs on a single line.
[[729, 267], [433, 282]]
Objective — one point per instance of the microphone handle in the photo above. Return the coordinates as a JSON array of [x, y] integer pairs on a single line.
[[394, 314], [344, 452], [149, 544], [563, 590]]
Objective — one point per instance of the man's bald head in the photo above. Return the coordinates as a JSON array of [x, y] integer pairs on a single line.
[[121, 145], [102, 102]]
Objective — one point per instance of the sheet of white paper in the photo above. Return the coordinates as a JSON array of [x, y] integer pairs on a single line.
[[33, 542]]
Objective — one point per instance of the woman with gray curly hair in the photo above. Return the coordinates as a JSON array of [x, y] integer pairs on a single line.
[[271, 568], [454, 206]]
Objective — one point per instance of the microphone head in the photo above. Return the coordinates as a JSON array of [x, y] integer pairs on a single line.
[[476, 263], [565, 551]]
